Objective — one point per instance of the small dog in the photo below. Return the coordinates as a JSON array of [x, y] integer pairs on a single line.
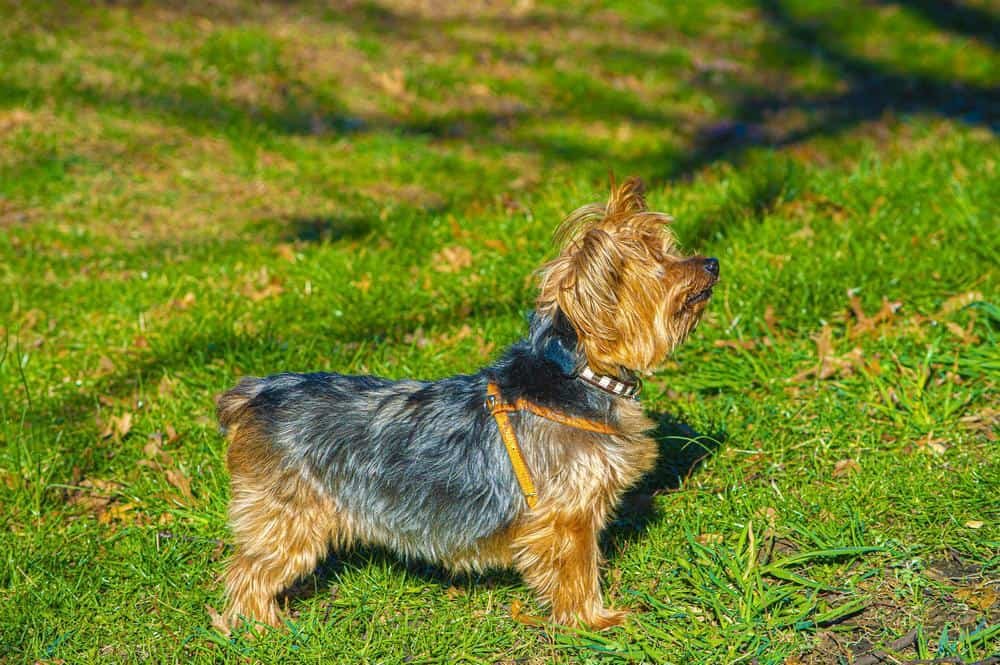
[[519, 465]]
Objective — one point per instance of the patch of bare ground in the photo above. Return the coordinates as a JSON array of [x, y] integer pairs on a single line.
[[960, 599]]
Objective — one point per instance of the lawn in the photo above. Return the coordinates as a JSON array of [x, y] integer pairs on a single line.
[[191, 192]]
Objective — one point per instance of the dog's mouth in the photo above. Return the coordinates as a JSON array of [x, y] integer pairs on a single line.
[[700, 296]]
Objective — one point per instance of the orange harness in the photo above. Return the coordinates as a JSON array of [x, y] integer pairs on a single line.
[[500, 409]]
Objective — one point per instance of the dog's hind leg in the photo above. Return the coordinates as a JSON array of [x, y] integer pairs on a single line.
[[282, 525]]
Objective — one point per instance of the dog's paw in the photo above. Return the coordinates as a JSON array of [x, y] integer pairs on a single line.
[[606, 618]]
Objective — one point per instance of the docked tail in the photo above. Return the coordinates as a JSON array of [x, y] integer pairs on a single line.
[[232, 404]]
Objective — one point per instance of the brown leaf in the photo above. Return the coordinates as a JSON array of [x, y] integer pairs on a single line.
[[934, 444], [452, 259], [747, 344], [172, 434], [117, 426], [123, 424], [499, 246], [183, 484], [286, 251], [117, 512], [165, 388], [185, 302], [152, 447], [105, 366], [867, 324], [845, 467], [364, 284], [966, 336], [417, 338], [985, 421], [960, 301], [981, 598], [457, 231], [771, 322]]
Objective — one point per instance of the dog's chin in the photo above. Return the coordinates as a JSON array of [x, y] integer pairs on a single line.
[[699, 297]]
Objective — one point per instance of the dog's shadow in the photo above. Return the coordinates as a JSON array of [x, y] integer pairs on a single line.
[[681, 451]]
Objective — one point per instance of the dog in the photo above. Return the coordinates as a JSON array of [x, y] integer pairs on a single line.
[[518, 465]]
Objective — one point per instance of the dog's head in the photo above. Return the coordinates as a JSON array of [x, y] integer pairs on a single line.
[[623, 285]]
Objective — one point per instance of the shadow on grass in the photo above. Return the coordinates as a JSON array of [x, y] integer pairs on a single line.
[[314, 229], [866, 90], [750, 111], [682, 451]]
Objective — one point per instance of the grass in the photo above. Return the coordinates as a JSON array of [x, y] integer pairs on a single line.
[[189, 194]]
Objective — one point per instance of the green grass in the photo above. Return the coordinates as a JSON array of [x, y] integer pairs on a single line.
[[188, 195]]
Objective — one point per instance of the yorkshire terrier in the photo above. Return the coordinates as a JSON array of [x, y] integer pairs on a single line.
[[519, 465]]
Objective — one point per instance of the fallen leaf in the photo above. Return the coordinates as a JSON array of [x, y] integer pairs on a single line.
[[105, 366], [116, 512], [804, 233], [935, 445], [966, 336], [955, 303], [498, 245], [185, 302], [865, 324], [180, 481], [452, 259], [118, 426], [845, 467], [165, 388], [981, 598], [974, 524], [746, 344], [769, 514], [417, 338], [985, 421], [172, 434], [771, 322], [152, 447], [364, 284]]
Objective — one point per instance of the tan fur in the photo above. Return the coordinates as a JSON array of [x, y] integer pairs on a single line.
[[580, 477], [621, 283], [282, 525]]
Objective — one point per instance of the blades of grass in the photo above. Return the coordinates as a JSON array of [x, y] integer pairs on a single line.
[[832, 553], [789, 576], [835, 613]]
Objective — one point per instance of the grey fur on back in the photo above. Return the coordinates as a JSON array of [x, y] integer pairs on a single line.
[[421, 463]]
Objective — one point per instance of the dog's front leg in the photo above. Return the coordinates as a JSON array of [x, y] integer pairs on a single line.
[[557, 554]]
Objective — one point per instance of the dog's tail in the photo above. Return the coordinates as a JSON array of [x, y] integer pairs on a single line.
[[232, 405]]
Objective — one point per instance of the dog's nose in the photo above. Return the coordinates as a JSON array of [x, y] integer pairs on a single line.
[[712, 267]]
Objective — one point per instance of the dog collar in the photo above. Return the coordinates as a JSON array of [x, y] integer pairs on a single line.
[[609, 385]]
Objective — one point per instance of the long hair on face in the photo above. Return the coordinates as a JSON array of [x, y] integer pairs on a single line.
[[615, 281]]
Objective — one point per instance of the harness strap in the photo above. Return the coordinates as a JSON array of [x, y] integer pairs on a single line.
[[499, 409]]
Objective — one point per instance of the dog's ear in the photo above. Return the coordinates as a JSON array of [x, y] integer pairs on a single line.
[[584, 285]]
